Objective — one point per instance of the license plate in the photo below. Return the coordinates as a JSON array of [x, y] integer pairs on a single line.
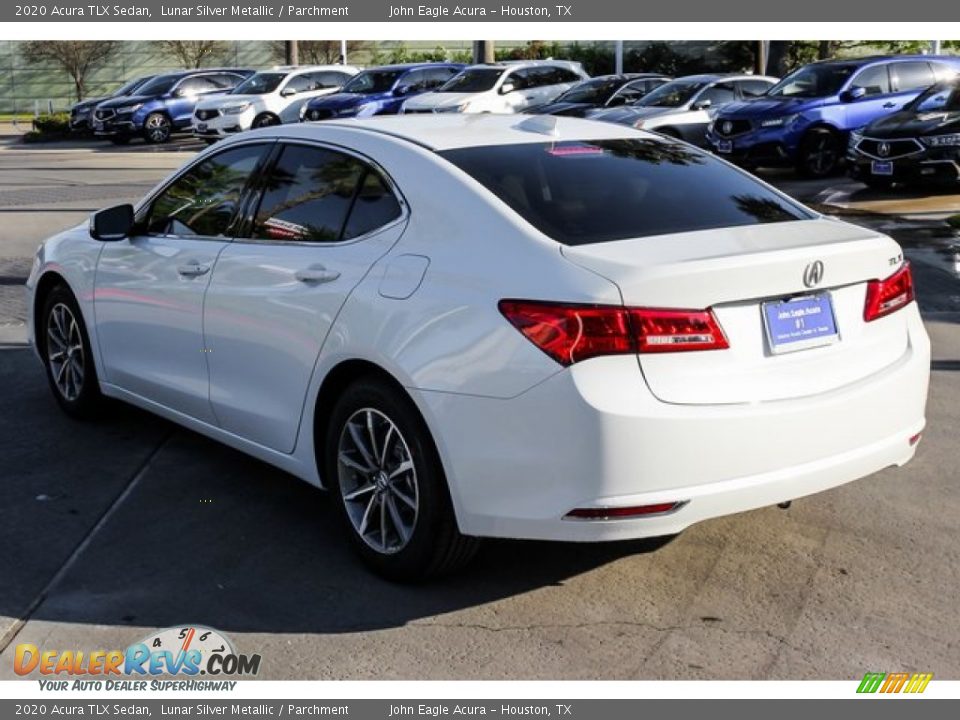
[[800, 323], [725, 146], [201, 127], [881, 167]]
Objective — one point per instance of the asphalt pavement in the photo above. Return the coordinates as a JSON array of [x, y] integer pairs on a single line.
[[113, 529]]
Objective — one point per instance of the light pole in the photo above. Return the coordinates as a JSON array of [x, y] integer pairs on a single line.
[[292, 52]]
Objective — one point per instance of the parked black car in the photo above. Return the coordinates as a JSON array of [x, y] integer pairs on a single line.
[[918, 144], [604, 91], [162, 106], [81, 114]]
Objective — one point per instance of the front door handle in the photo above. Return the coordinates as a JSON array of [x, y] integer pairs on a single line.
[[889, 105], [316, 274], [193, 269]]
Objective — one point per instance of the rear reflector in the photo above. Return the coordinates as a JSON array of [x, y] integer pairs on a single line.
[[888, 296], [571, 333], [915, 439], [616, 513]]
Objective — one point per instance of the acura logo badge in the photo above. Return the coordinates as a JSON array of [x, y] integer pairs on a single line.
[[883, 149], [726, 127], [813, 274]]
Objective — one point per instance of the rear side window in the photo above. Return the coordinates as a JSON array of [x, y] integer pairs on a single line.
[[912, 75], [598, 191], [318, 195]]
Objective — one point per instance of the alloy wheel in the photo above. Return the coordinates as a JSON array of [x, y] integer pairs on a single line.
[[378, 481], [65, 352], [822, 156], [157, 128]]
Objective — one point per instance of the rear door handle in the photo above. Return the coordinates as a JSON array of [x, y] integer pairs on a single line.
[[193, 269], [889, 105], [316, 274]]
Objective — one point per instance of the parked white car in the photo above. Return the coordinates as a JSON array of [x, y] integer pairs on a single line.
[[507, 87], [270, 97], [509, 326]]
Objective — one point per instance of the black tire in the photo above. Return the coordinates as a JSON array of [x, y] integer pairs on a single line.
[[821, 152], [80, 399], [432, 545], [157, 128], [120, 139], [264, 120]]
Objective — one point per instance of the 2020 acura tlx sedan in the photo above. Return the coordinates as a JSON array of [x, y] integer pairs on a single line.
[[470, 326]]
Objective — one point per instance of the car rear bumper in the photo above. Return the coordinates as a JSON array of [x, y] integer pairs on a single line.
[[594, 436]]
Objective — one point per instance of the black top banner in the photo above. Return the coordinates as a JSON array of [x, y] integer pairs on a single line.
[[939, 11]]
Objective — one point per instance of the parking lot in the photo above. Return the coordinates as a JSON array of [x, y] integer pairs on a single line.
[[121, 527]]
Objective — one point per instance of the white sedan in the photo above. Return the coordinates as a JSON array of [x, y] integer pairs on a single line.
[[469, 326]]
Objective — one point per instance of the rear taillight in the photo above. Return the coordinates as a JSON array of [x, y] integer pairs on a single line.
[[888, 296], [571, 333]]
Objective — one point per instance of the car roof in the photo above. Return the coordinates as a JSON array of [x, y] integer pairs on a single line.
[[870, 59], [711, 77], [203, 71], [448, 131], [413, 66], [627, 77]]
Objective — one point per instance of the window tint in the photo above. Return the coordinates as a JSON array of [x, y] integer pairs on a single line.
[[203, 200], [566, 76], [225, 81], [374, 207], [194, 86], [312, 191], [324, 80], [912, 75], [943, 72], [753, 88], [414, 80], [598, 191], [875, 80], [718, 95]]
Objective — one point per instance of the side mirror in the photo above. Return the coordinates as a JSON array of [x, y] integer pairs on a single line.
[[288, 91], [113, 223], [507, 88], [854, 93], [702, 104]]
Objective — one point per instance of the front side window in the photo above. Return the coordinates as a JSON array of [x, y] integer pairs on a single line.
[[318, 195], [813, 81], [160, 85], [754, 88], [874, 80], [260, 84], [370, 82], [604, 190], [719, 94], [205, 199], [472, 80], [673, 94]]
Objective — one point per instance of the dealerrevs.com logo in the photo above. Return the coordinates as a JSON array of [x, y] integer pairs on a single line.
[[191, 651], [898, 682]]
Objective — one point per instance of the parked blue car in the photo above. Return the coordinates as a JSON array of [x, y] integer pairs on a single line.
[[380, 90], [805, 119], [163, 105]]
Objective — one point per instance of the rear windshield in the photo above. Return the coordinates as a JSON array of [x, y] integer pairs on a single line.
[[602, 190]]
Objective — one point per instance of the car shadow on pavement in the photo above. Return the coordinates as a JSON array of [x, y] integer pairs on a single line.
[[188, 530]]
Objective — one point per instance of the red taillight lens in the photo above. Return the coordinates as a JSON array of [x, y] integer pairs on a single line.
[[571, 333], [888, 296], [614, 513], [673, 330]]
